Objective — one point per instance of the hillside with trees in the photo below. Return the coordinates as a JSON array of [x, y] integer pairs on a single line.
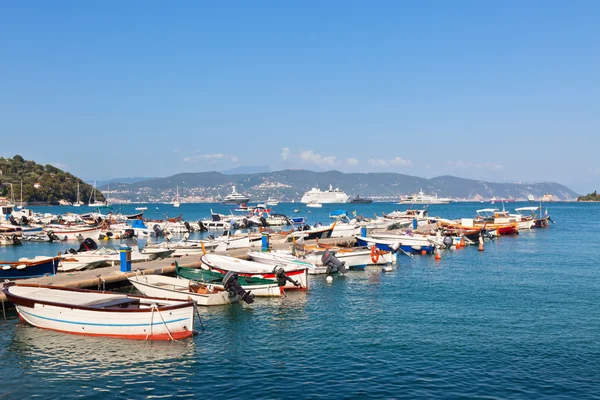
[[589, 197], [41, 183]]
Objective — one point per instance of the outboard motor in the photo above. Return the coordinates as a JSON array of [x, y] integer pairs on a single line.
[[232, 285], [263, 221], [187, 226], [157, 231], [15, 239], [13, 221], [24, 220], [333, 263], [203, 228], [128, 233], [52, 236], [87, 245], [447, 241], [282, 277]]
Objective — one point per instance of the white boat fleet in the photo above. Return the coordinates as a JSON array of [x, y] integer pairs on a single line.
[[166, 311]]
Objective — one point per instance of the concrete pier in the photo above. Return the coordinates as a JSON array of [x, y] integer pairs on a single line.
[[112, 277]]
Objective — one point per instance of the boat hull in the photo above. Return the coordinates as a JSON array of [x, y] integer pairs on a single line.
[[173, 288], [174, 320], [29, 269], [390, 244], [224, 264]]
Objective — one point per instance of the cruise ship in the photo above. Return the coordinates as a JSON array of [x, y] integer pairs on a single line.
[[422, 198], [315, 195], [235, 197]]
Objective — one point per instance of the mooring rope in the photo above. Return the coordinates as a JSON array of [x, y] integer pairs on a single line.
[[166, 326], [151, 320], [3, 310]]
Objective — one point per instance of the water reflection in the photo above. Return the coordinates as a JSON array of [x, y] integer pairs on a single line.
[[78, 361]]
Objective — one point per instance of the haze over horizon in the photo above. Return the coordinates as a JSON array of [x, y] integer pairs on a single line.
[[502, 92]]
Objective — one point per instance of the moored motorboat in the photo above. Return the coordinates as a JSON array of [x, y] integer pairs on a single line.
[[298, 276], [258, 286], [28, 268], [95, 313], [173, 288]]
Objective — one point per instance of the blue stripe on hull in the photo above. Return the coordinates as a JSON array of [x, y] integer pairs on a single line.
[[408, 249]]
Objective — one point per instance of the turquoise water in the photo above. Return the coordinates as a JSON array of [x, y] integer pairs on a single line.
[[519, 320]]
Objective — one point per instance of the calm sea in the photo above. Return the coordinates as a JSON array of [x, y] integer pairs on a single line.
[[519, 320]]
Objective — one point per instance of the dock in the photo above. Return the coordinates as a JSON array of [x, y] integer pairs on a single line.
[[106, 278]]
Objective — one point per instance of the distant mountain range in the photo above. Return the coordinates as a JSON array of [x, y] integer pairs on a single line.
[[292, 184]]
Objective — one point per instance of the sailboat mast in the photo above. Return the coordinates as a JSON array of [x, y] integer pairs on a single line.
[[21, 193]]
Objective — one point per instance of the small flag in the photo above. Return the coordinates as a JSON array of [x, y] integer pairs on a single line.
[[354, 213], [546, 213]]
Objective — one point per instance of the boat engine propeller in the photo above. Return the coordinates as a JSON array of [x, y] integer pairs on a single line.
[[333, 263], [282, 277], [232, 285], [157, 231]]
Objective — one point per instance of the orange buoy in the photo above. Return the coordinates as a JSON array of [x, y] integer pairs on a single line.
[[438, 256], [423, 252]]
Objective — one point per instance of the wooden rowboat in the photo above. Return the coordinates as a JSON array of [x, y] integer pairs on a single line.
[[94, 313]]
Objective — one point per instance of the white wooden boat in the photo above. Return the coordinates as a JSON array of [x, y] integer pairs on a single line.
[[99, 257], [276, 258], [356, 258], [73, 233], [94, 313], [68, 264], [224, 264], [177, 288], [185, 247], [314, 204]]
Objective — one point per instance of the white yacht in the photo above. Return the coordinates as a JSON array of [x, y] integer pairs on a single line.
[[272, 202], [95, 203], [176, 202], [315, 195], [235, 197], [422, 198], [530, 198]]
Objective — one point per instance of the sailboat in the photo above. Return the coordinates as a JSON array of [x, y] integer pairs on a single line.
[[78, 203], [96, 203], [176, 203]]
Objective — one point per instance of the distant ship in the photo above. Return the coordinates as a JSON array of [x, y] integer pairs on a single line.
[[360, 200], [272, 202], [315, 195], [530, 198], [422, 198], [235, 197]]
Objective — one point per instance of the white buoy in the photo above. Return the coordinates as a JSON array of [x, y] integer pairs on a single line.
[[387, 268], [329, 279]]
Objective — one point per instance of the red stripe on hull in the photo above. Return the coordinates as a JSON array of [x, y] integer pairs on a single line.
[[162, 336]]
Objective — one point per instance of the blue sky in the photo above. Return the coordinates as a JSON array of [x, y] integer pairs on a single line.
[[502, 91]]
